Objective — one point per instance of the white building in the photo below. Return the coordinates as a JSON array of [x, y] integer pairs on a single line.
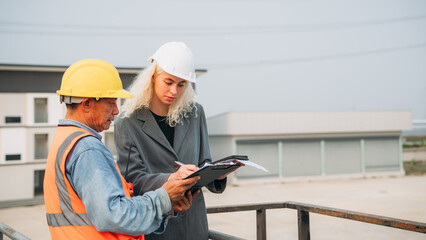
[[27, 126], [295, 145]]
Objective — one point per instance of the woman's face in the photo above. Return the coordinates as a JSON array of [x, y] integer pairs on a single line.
[[167, 88]]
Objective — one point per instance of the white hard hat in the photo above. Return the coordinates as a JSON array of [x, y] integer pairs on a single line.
[[176, 59]]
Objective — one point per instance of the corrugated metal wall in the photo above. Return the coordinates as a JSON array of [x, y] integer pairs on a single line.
[[264, 153], [315, 157], [382, 154], [342, 156]]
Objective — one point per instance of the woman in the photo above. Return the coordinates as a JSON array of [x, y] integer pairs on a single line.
[[162, 124]]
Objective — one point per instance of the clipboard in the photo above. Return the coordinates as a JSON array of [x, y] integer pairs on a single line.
[[211, 171], [231, 158]]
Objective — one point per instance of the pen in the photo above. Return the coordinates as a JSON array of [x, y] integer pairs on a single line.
[[178, 165]]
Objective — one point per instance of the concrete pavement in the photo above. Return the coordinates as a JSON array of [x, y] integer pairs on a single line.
[[397, 197]]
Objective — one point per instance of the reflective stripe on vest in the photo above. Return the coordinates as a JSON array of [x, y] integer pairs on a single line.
[[67, 217]]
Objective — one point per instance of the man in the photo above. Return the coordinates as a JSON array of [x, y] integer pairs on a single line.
[[85, 195]]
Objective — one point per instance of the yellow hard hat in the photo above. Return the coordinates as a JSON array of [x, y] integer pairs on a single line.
[[92, 78]]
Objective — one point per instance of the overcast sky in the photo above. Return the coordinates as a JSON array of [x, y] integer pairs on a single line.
[[295, 55]]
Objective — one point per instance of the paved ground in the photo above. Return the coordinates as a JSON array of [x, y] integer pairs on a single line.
[[397, 197]]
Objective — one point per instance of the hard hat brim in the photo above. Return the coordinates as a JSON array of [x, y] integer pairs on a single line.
[[112, 94]]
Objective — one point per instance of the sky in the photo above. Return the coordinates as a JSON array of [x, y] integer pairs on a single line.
[[288, 55]]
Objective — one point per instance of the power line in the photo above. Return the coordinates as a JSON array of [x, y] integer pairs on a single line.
[[310, 59], [66, 29]]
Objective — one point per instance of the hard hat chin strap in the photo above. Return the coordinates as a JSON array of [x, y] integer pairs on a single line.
[[70, 99]]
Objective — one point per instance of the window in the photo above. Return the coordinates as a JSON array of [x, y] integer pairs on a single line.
[[13, 157], [40, 146], [13, 119], [40, 110], [38, 182]]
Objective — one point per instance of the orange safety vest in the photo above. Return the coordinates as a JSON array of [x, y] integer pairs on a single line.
[[66, 214]]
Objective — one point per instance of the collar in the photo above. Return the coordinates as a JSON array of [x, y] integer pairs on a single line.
[[69, 122]]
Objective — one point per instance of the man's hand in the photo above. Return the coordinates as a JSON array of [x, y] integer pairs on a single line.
[[186, 202], [176, 186]]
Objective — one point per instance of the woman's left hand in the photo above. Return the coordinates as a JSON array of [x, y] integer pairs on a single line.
[[186, 202], [224, 176], [186, 170]]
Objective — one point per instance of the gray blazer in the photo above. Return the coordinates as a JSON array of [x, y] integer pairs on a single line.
[[146, 159]]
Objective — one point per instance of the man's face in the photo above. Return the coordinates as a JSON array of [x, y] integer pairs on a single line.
[[102, 113]]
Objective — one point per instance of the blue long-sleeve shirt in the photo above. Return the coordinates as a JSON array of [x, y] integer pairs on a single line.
[[92, 172]]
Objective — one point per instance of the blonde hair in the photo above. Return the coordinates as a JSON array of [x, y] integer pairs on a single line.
[[142, 91]]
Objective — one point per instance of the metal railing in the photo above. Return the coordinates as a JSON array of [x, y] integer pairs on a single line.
[[303, 211], [11, 233]]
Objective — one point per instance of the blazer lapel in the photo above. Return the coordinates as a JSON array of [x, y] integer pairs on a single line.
[[180, 133], [151, 128]]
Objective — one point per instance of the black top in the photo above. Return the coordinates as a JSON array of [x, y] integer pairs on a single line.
[[169, 132]]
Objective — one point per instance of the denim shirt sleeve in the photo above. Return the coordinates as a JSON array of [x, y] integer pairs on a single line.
[[95, 178]]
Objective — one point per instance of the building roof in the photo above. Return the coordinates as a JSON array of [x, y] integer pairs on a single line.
[[266, 123], [43, 78], [61, 69]]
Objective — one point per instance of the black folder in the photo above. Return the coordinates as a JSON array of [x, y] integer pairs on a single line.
[[209, 172]]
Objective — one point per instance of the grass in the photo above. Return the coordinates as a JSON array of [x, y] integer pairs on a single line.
[[411, 142], [415, 167]]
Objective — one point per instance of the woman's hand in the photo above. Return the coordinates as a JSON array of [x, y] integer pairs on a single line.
[[185, 203], [224, 176], [186, 170]]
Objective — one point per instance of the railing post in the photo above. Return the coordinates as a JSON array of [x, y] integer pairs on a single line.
[[11, 233], [303, 222], [261, 224]]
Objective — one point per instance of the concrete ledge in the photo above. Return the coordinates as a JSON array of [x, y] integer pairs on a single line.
[[278, 180], [414, 154], [20, 203]]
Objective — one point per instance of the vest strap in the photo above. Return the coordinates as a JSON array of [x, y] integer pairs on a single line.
[[68, 217], [60, 220]]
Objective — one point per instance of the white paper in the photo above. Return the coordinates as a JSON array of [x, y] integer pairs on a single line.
[[231, 162], [249, 163]]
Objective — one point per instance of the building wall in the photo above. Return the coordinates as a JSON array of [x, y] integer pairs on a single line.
[[12, 105], [221, 146], [13, 145], [342, 156], [312, 157], [301, 157], [313, 144], [17, 181], [263, 152], [32, 144], [383, 154], [43, 79], [55, 110], [25, 142]]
